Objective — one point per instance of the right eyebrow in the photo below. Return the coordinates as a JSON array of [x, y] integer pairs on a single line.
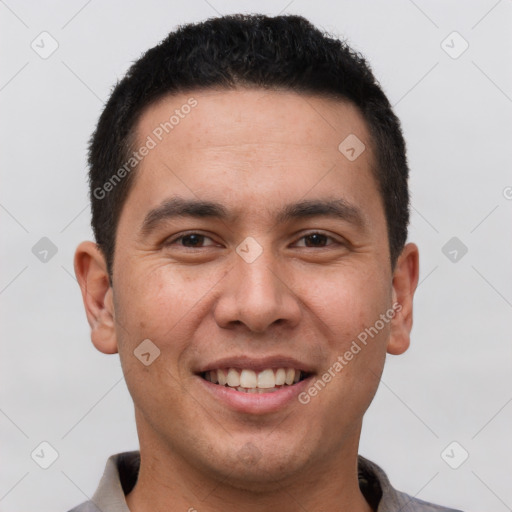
[[179, 207]]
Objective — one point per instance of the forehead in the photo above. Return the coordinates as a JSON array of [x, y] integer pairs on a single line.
[[259, 115], [237, 144]]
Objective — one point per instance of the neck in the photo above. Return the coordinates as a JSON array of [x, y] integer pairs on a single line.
[[168, 482]]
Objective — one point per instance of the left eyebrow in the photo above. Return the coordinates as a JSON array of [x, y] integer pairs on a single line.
[[336, 208]]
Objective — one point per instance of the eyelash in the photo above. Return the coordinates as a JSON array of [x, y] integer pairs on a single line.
[[181, 237]]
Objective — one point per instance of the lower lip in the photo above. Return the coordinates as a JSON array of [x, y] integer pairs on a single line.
[[256, 403]]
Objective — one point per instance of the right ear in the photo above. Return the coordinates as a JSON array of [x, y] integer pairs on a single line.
[[91, 273]]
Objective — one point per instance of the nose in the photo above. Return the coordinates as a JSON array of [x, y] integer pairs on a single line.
[[258, 295]]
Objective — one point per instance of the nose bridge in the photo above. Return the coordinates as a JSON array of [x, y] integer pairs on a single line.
[[258, 280], [255, 294]]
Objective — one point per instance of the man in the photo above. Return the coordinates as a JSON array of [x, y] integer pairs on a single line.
[[250, 207]]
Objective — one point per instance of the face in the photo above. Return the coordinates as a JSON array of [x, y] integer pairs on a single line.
[[253, 254]]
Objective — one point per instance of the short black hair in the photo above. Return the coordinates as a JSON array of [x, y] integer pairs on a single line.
[[241, 50]]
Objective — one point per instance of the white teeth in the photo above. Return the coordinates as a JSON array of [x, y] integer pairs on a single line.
[[266, 379], [280, 377], [290, 376], [221, 376], [233, 378], [248, 381], [256, 390]]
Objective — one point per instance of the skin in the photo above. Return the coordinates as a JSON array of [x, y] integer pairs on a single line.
[[252, 150]]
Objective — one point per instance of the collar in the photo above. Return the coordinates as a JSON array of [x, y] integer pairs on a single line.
[[120, 476]]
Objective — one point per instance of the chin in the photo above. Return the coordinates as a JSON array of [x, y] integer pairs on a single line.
[[257, 468]]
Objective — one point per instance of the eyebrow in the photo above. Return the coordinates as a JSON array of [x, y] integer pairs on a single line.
[[177, 207]]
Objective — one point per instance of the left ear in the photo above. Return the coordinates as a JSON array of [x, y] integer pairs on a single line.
[[405, 281]]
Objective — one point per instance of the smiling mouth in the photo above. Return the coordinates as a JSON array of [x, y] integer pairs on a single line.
[[249, 381]]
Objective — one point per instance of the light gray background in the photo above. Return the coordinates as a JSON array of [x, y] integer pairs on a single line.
[[454, 384]]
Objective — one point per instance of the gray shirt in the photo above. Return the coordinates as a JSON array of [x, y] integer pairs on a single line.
[[122, 469]]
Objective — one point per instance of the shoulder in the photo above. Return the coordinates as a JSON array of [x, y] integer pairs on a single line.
[[390, 499], [119, 477], [88, 506], [407, 503]]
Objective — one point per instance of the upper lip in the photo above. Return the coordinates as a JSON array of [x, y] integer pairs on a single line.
[[256, 364]]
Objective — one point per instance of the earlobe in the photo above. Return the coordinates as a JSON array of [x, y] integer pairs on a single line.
[[405, 281], [97, 295]]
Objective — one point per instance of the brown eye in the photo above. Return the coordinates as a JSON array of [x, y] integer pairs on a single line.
[[313, 240], [190, 241], [316, 239]]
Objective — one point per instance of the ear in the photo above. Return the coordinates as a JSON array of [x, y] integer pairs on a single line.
[[97, 294], [405, 281]]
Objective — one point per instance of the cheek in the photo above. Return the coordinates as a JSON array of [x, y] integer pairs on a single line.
[[155, 299], [165, 305], [352, 301], [357, 337], [155, 305], [351, 307]]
